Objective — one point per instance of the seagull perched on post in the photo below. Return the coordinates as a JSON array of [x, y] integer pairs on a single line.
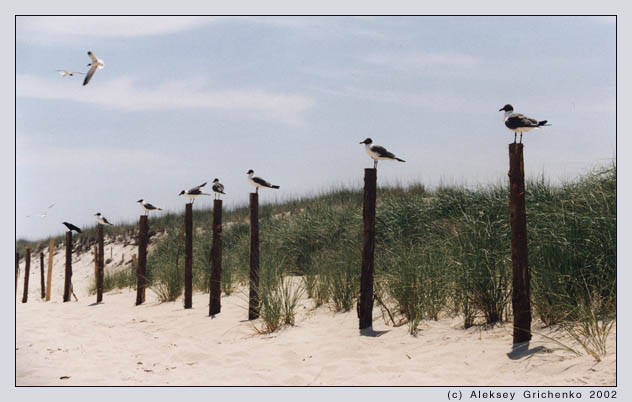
[[194, 192], [101, 219], [96, 63], [65, 73], [378, 152], [148, 207], [258, 181], [218, 187], [519, 123], [72, 227]]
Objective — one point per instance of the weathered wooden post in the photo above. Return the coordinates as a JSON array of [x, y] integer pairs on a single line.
[[17, 271], [27, 270], [49, 274], [141, 268], [215, 288], [188, 258], [253, 303], [96, 262], [42, 284], [520, 299], [100, 263], [365, 302], [68, 272]]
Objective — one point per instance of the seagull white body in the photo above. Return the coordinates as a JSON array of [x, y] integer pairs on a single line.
[[65, 73], [378, 152], [519, 123], [258, 181], [147, 206], [218, 187], [95, 64], [193, 192], [101, 219]]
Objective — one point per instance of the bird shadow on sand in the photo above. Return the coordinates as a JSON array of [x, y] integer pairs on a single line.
[[372, 333], [521, 350]]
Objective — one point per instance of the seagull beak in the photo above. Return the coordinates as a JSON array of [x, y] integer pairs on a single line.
[[501, 109]]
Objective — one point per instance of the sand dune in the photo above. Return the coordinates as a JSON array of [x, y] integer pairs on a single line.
[[117, 343]]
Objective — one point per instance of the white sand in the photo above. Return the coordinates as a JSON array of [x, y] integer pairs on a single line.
[[117, 343]]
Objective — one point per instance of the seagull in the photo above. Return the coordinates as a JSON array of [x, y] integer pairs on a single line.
[[44, 214], [72, 227], [519, 123], [96, 63], [101, 219], [148, 207], [218, 187], [65, 73], [194, 192], [258, 181], [378, 152]]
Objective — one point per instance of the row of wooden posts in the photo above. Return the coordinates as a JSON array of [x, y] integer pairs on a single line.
[[521, 287]]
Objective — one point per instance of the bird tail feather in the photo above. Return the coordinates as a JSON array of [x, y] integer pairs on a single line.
[[273, 186], [401, 160], [543, 123]]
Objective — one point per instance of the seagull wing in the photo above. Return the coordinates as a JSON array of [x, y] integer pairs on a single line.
[[199, 187], [50, 206], [78, 72], [517, 120], [93, 57], [90, 74], [218, 188], [382, 152], [149, 206], [261, 182]]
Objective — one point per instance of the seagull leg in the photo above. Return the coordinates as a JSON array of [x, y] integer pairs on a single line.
[[515, 137], [521, 138], [375, 164]]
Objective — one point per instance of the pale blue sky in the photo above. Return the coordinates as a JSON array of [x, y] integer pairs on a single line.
[[182, 100]]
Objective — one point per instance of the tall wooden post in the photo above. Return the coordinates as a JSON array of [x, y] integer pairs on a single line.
[[188, 258], [96, 262], [49, 274], [100, 263], [253, 303], [68, 272], [215, 288], [42, 284], [27, 270], [365, 302], [520, 299], [141, 268], [17, 271]]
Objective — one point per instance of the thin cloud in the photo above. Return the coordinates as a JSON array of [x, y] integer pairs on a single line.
[[123, 94], [422, 60], [61, 28]]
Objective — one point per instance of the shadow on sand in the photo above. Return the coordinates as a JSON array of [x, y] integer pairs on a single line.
[[521, 350], [370, 332]]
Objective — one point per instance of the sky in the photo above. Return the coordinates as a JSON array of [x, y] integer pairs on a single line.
[[183, 100]]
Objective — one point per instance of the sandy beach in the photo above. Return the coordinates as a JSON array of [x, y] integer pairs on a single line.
[[117, 343]]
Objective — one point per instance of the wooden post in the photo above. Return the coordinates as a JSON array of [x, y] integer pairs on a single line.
[[43, 285], [215, 288], [96, 262], [27, 269], [49, 274], [365, 302], [188, 260], [141, 268], [17, 271], [253, 304], [68, 272], [520, 299], [100, 263]]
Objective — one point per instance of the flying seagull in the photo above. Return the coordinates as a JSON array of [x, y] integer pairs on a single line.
[[258, 181], [519, 123], [96, 63], [194, 192], [218, 187], [44, 214], [72, 227], [65, 73], [148, 207], [101, 219], [378, 152]]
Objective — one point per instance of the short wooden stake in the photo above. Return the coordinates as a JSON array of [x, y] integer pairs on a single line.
[[365, 302], [68, 271], [188, 259], [100, 263], [520, 299], [215, 286], [49, 274], [42, 284], [253, 303], [141, 268], [27, 270]]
